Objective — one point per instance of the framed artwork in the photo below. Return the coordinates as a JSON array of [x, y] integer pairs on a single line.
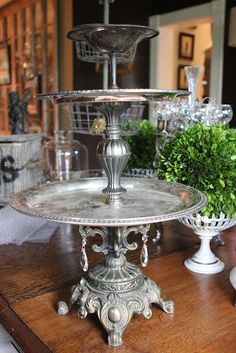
[[186, 46], [182, 82], [5, 75]]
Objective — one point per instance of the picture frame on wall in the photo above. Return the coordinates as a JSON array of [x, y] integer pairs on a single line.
[[186, 46], [5, 74], [182, 82]]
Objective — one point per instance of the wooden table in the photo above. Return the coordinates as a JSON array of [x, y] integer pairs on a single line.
[[34, 277]]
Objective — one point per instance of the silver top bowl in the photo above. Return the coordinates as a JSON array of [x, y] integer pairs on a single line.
[[111, 38]]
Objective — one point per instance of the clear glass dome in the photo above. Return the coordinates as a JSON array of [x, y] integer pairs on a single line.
[[65, 157]]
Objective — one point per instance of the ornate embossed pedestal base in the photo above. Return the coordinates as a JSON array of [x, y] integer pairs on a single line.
[[117, 289], [115, 308]]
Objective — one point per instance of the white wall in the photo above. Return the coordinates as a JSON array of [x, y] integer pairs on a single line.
[[168, 53], [166, 70], [202, 42], [213, 10]]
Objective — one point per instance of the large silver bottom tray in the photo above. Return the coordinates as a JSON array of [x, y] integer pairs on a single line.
[[82, 202]]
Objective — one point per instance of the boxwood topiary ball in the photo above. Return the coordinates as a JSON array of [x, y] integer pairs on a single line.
[[204, 157]]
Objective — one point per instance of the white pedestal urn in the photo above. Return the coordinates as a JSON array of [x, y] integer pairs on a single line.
[[204, 260], [232, 278]]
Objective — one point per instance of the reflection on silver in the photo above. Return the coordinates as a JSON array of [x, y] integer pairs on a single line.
[[82, 202], [111, 95]]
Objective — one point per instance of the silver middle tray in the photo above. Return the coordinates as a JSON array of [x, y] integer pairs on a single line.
[[112, 95], [82, 202]]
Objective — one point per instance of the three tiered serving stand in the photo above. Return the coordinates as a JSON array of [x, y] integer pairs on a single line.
[[112, 207]]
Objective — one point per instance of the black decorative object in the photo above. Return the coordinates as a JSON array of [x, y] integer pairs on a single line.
[[18, 112]]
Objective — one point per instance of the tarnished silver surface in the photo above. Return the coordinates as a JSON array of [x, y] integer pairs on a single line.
[[86, 53], [82, 202], [116, 289], [111, 38], [112, 95], [115, 310], [113, 152]]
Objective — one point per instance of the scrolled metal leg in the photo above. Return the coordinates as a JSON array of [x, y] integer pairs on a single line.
[[78, 294], [154, 295], [62, 308]]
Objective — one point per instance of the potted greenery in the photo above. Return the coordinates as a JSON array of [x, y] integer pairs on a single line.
[[204, 157], [143, 149]]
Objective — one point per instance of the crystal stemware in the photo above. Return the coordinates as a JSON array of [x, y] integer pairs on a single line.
[[168, 120], [192, 73]]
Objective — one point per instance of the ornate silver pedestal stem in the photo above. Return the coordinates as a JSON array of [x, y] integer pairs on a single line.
[[113, 152], [116, 289]]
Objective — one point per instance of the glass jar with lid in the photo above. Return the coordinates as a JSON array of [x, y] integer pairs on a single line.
[[65, 157]]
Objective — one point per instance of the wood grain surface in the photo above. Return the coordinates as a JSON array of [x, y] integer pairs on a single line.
[[203, 315], [34, 277], [36, 268]]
